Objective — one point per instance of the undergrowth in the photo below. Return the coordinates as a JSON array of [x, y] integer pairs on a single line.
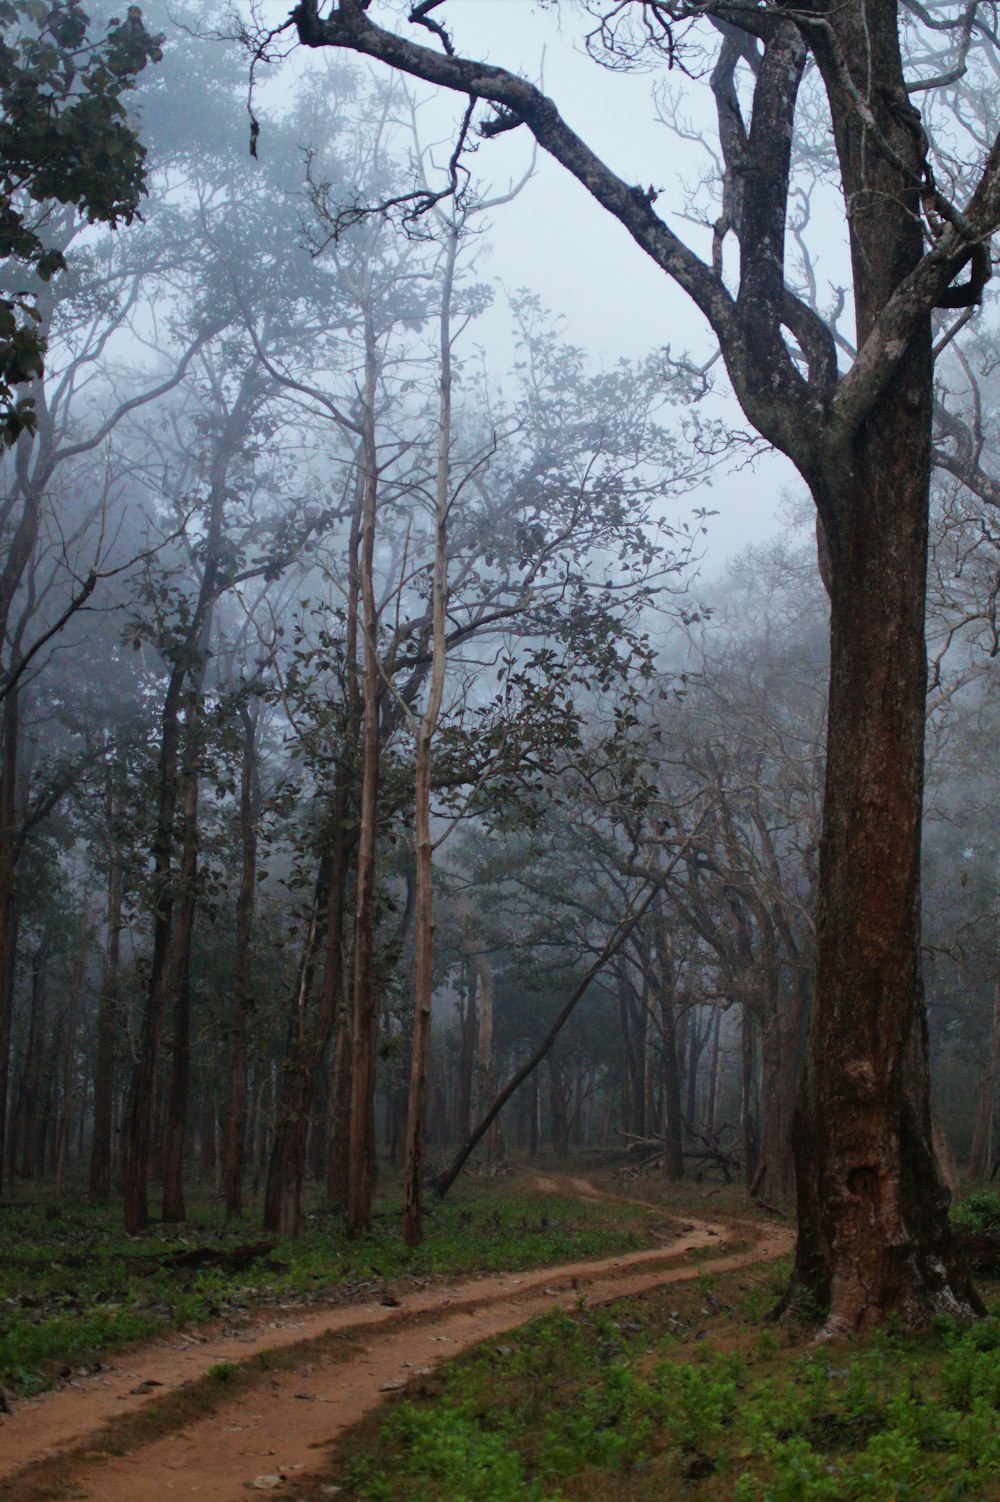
[[686, 1394], [73, 1286]]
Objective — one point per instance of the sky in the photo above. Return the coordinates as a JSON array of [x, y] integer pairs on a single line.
[[581, 262], [556, 240]]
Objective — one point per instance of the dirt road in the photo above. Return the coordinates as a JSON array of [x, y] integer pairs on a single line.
[[282, 1424]]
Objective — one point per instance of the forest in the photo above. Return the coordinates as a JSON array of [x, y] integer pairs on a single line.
[[442, 877]]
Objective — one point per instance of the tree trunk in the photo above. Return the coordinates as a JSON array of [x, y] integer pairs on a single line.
[[308, 1034], [467, 1055], [364, 1019], [748, 1116], [234, 1147], [673, 1125], [712, 1031], [175, 1133], [981, 1156], [104, 1067], [283, 1209], [558, 1106], [649, 1029], [69, 1053], [8, 820], [536, 1106], [486, 1085], [187, 662], [424, 978], [340, 1107], [874, 1236]]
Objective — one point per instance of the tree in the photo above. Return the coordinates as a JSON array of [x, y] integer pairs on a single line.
[[874, 1237], [64, 139]]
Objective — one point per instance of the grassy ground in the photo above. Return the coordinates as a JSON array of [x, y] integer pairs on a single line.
[[690, 1393], [73, 1287]]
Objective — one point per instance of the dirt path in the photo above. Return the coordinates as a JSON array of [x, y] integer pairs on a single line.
[[276, 1428]]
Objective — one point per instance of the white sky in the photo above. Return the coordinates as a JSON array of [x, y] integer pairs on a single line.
[[555, 240]]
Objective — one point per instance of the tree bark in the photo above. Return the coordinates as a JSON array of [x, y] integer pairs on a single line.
[[104, 1066], [424, 978], [486, 1085], [175, 1132], [8, 926], [186, 661], [981, 1154], [874, 1235], [69, 1052], [234, 1146], [672, 1124], [466, 1054], [364, 1019]]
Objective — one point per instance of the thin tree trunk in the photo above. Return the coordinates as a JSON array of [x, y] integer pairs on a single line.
[[175, 1132], [748, 1116], [283, 1208], [24, 1135], [485, 1069], [467, 1054], [340, 1106], [8, 821], [137, 1145], [364, 1020], [424, 978], [711, 1106], [673, 1125], [649, 1031], [981, 1156], [234, 1147], [69, 1053], [104, 1068]]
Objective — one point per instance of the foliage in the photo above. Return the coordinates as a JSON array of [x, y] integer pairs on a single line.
[[648, 1408], [979, 1211], [64, 139]]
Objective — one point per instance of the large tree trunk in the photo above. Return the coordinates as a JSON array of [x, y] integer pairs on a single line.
[[873, 1212]]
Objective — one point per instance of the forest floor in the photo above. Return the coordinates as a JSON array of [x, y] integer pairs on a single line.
[[640, 1368], [211, 1412]]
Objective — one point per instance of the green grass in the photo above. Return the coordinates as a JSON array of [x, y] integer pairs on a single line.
[[978, 1211], [671, 1398], [73, 1287]]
